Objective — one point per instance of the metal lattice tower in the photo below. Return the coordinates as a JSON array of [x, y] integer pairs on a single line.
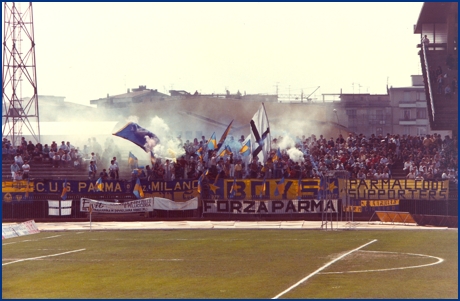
[[20, 99]]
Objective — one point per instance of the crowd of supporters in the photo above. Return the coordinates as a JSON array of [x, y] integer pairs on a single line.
[[376, 157], [55, 155]]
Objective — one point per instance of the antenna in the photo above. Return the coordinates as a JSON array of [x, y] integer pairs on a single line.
[[19, 74]]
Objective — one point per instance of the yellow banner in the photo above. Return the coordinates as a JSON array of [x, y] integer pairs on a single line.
[[394, 189]]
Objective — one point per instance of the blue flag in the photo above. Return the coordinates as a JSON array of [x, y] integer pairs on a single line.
[[279, 187], [137, 135], [99, 184], [138, 192], [233, 189], [212, 143], [64, 190], [224, 136], [262, 191], [246, 148], [132, 160], [322, 189], [277, 155]]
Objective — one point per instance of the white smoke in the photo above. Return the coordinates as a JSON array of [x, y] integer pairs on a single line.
[[286, 142], [169, 146], [132, 118], [295, 155]]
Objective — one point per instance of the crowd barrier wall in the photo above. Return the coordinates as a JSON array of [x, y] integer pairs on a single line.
[[29, 199]]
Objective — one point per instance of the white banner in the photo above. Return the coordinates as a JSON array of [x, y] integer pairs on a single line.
[[25, 228], [59, 208], [260, 135], [166, 204], [141, 205], [269, 207]]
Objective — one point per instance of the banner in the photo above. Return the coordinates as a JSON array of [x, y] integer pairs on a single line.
[[279, 189], [275, 189], [359, 206], [165, 204], [269, 207], [59, 208], [400, 189], [142, 205], [25, 228]]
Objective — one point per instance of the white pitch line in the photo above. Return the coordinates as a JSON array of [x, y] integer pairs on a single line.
[[392, 269], [322, 268], [52, 255]]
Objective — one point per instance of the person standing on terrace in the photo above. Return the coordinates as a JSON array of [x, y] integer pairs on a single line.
[[425, 42], [25, 170], [15, 171]]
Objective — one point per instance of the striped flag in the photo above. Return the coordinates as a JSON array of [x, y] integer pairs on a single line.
[[27, 189], [132, 160], [99, 184], [279, 187], [64, 190], [246, 148], [277, 155], [224, 135], [233, 189], [199, 152], [262, 191], [226, 151], [138, 192], [212, 143], [299, 187]]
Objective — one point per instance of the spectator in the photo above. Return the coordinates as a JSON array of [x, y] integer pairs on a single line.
[[112, 170], [104, 174], [66, 159], [117, 168], [18, 159], [425, 42], [25, 170], [447, 91], [57, 159], [45, 153], [15, 171], [92, 170]]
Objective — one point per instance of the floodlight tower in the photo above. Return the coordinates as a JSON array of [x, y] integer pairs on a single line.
[[19, 77]]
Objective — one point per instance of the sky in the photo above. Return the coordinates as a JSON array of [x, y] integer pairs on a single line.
[[85, 51]]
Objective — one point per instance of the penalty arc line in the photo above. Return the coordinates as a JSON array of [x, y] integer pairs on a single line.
[[322, 268], [33, 258], [393, 269]]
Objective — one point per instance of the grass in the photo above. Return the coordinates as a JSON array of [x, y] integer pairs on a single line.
[[230, 264]]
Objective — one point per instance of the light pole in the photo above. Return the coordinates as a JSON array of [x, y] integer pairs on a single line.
[[336, 115]]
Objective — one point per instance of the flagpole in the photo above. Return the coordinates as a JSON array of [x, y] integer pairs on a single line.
[[90, 214], [269, 132]]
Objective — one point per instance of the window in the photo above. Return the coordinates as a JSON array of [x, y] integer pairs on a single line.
[[406, 96], [421, 131], [379, 131], [379, 115], [421, 113], [405, 114], [351, 113], [421, 96], [406, 130]]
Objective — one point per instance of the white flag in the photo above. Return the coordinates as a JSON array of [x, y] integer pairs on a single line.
[[260, 135]]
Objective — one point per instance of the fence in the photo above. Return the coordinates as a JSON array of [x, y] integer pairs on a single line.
[[39, 208]]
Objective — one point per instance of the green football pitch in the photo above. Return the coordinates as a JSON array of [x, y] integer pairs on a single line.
[[256, 264]]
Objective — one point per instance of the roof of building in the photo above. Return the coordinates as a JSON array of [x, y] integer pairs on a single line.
[[434, 12]]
